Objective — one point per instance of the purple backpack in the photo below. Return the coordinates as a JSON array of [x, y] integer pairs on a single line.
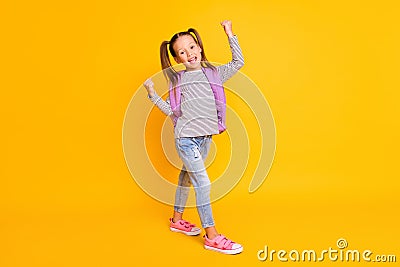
[[219, 95]]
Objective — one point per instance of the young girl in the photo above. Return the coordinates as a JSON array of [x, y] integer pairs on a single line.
[[196, 104]]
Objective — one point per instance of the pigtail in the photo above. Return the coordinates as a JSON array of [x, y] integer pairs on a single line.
[[204, 62], [169, 72]]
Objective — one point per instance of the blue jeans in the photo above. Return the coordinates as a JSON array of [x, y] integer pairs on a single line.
[[193, 151]]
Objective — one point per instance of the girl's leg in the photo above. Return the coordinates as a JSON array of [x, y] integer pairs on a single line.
[[181, 195], [211, 231], [189, 150]]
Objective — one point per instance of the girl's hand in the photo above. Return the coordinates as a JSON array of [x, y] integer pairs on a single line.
[[149, 85], [227, 24]]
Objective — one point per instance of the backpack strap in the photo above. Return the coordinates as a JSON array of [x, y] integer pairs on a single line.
[[175, 98], [219, 96]]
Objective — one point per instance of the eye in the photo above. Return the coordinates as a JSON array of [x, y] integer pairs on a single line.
[[192, 47], [182, 53]]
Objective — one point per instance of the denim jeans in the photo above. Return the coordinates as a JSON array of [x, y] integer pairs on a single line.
[[193, 151]]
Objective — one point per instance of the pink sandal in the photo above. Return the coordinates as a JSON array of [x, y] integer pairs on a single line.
[[222, 244], [184, 227]]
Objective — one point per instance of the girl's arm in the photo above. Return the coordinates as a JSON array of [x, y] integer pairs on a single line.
[[164, 106], [228, 70]]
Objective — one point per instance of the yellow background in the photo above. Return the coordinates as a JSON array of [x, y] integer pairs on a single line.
[[329, 70]]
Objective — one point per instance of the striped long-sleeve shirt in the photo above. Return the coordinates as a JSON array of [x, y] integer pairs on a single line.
[[199, 114]]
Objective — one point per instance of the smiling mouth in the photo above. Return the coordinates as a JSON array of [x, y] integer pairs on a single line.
[[192, 60]]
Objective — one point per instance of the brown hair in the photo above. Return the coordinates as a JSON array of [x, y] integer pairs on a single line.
[[169, 72]]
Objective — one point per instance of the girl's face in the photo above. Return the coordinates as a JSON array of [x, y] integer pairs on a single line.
[[187, 52]]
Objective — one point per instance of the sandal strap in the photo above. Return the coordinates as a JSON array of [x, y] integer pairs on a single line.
[[184, 225], [219, 239], [188, 223], [227, 244], [222, 242]]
